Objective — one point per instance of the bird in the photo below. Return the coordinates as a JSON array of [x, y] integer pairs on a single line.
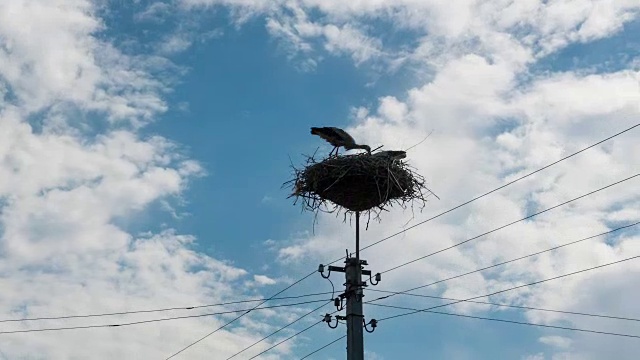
[[394, 154], [338, 137]]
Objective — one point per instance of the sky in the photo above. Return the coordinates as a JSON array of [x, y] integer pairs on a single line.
[[144, 145]]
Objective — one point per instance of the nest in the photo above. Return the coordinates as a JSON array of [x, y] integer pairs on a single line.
[[357, 183]]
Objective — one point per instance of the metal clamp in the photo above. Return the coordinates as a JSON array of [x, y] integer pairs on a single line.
[[377, 278], [373, 323], [327, 318], [321, 271]]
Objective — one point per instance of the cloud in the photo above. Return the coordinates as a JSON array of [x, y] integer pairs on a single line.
[[496, 118], [263, 280], [50, 58], [433, 32], [75, 171], [155, 12], [534, 357], [556, 341], [175, 43], [65, 192]]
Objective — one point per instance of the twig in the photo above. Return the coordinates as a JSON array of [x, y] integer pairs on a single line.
[[421, 141]]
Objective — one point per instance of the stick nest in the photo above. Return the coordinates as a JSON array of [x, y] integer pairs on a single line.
[[359, 182]]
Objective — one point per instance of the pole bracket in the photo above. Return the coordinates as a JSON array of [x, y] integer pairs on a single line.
[[327, 319], [375, 282], [373, 323]]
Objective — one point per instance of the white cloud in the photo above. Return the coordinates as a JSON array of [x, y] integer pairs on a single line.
[[50, 57], [174, 43], [539, 356], [495, 121], [68, 192], [263, 280], [556, 341], [351, 41], [515, 32], [155, 12]]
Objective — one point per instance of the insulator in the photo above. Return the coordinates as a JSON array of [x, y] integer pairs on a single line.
[[321, 268]]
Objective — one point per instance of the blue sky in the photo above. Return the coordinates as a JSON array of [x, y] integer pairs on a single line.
[[145, 146]]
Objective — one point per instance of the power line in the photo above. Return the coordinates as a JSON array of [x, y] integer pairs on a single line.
[[241, 315], [156, 320], [510, 261], [287, 339], [509, 306], [298, 319], [160, 310], [323, 347], [280, 329], [509, 224], [496, 189], [509, 289], [235, 319], [513, 321]]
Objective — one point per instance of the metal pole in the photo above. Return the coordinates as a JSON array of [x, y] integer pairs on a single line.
[[355, 341]]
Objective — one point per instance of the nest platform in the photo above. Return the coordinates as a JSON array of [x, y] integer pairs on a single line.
[[356, 183]]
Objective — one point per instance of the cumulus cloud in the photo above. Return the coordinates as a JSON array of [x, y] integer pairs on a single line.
[[497, 118], [75, 169], [557, 341], [263, 280]]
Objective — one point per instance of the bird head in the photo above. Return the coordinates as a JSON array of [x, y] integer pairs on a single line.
[[366, 147]]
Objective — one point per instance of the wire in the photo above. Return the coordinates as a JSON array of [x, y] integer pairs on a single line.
[[510, 261], [509, 224], [160, 310], [241, 315], [496, 189], [156, 320], [333, 293], [287, 339], [513, 288], [323, 347], [280, 329], [510, 306], [298, 332], [514, 322]]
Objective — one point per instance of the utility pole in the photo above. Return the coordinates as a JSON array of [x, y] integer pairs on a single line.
[[353, 295], [355, 317]]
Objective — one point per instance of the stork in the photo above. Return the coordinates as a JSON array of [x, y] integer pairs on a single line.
[[338, 137], [393, 154]]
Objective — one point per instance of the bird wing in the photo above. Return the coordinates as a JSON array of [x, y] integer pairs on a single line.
[[344, 136], [329, 134], [396, 154]]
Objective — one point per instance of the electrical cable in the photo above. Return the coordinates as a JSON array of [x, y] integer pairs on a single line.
[[512, 260], [160, 310], [413, 226], [496, 189], [510, 306], [156, 320], [287, 339], [241, 315], [513, 288], [511, 223], [513, 322], [323, 347], [333, 292], [280, 329]]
